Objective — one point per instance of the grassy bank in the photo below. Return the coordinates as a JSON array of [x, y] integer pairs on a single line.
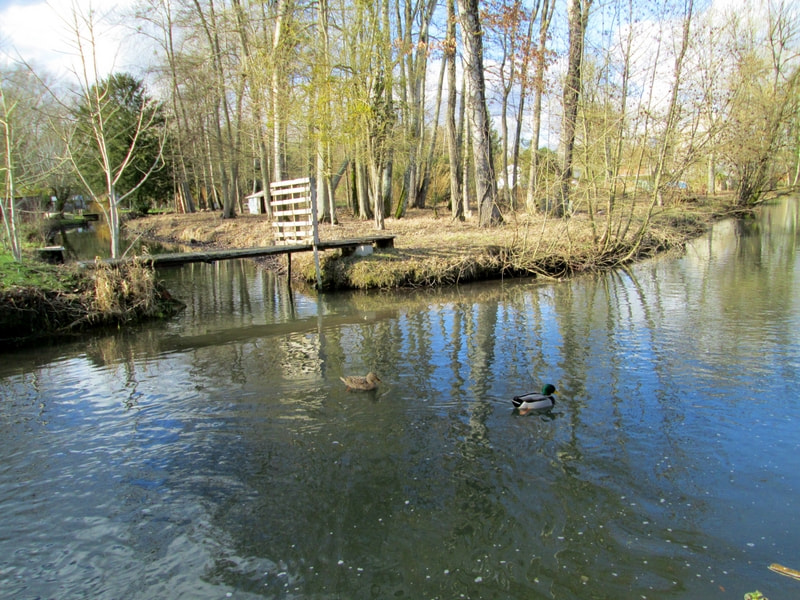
[[40, 301], [432, 249]]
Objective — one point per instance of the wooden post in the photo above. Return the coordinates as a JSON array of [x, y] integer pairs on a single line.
[[315, 230]]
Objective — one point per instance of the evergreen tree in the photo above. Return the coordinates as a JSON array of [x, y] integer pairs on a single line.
[[132, 124]]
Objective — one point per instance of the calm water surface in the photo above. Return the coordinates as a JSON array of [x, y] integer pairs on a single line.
[[219, 456]]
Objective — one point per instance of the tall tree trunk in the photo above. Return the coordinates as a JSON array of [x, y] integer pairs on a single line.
[[179, 110], [578, 17], [386, 186], [711, 174], [414, 67], [220, 103], [456, 203], [523, 93], [386, 56], [256, 87], [428, 164], [8, 203], [465, 139], [362, 190], [538, 82], [282, 12], [485, 181], [321, 72]]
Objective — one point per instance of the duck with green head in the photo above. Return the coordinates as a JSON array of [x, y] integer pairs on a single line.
[[535, 400]]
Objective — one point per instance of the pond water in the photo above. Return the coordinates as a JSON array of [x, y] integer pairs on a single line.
[[219, 456], [94, 240]]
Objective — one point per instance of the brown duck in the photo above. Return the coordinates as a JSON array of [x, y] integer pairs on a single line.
[[356, 382]]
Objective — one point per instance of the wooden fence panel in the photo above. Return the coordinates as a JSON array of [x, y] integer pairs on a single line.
[[294, 216], [294, 211]]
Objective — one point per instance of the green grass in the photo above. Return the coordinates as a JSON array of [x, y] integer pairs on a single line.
[[32, 273], [41, 301]]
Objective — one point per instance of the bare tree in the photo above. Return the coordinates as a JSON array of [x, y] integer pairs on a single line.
[[160, 14], [414, 22], [512, 32], [485, 181], [8, 204], [578, 17], [765, 89], [227, 141], [538, 90], [98, 111], [453, 142]]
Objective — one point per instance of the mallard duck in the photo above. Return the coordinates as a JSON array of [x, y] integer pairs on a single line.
[[535, 401], [356, 382]]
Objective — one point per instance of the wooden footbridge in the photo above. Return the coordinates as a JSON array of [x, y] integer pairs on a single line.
[[348, 246], [294, 214]]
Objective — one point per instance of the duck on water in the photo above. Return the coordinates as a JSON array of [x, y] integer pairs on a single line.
[[357, 382], [536, 401]]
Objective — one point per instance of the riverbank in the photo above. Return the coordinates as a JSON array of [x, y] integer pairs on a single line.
[[42, 302], [432, 249]]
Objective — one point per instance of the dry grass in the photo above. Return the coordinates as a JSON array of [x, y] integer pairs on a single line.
[[433, 249], [127, 289], [101, 296]]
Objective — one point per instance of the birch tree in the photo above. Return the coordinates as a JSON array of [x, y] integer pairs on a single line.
[[8, 204]]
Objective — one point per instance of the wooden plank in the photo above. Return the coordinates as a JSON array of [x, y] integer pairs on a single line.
[[294, 238], [291, 182], [289, 191], [291, 209], [208, 256], [289, 201], [382, 241], [289, 224], [51, 254], [291, 213], [290, 231]]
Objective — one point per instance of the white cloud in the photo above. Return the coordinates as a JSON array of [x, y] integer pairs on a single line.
[[43, 33]]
